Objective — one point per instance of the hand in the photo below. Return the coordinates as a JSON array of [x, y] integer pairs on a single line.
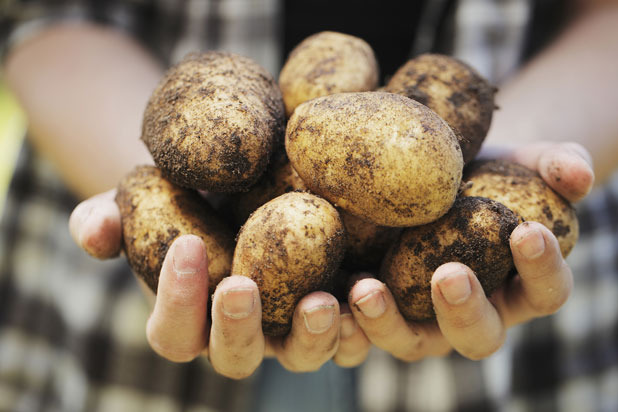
[[466, 320], [178, 328]]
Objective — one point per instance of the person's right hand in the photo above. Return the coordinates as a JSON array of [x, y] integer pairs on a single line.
[[178, 328]]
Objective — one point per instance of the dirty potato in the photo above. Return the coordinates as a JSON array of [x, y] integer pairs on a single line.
[[380, 156], [525, 192], [366, 242], [474, 232], [278, 179], [155, 212], [452, 89], [290, 246], [213, 121], [327, 63]]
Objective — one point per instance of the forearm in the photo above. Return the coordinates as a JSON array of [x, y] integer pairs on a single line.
[[568, 93], [84, 89]]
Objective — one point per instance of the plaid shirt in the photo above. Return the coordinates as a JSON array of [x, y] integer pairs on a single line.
[[72, 328]]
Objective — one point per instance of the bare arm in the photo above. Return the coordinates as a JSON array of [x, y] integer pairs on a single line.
[[569, 92], [84, 89]]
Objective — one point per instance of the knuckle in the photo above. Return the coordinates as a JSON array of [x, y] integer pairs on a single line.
[[313, 350], [309, 361], [176, 299], [549, 306], [549, 300], [410, 353], [465, 319]]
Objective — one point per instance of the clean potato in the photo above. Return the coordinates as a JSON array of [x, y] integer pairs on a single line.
[[475, 232], [525, 192], [155, 212], [290, 247], [452, 89], [213, 121], [380, 156], [327, 63]]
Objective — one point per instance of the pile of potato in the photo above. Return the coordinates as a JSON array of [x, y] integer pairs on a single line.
[[325, 175]]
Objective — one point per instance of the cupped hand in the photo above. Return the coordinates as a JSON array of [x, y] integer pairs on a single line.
[[179, 328], [467, 321]]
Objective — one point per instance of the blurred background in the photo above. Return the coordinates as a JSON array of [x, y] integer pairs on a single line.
[[12, 130]]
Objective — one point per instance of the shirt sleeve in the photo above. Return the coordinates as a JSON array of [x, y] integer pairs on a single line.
[[21, 20]]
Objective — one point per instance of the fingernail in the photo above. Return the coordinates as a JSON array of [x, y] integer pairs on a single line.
[[372, 305], [238, 303], [319, 319], [348, 325], [531, 245], [455, 287], [188, 257]]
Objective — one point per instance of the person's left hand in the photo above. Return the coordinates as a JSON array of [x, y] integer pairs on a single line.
[[468, 321]]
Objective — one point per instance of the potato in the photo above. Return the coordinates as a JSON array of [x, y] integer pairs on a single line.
[[327, 63], [290, 246], [366, 243], [278, 179], [452, 89], [525, 192], [213, 121], [380, 156], [155, 212], [474, 232]]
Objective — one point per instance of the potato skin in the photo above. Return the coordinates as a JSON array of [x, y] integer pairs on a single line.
[[290, 246], [327, 63], [366, 243], [474, 232], [380, 156], [155, 212], [454, 90], [525, 192], [278, 179], [213, 122]]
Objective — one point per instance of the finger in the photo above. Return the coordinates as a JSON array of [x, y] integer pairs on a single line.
[[95, 226], [565, 167], [236, 341], [568, 171], [544, 280], [353, 344], [177, 327], [314, 337], [377, 314], [466, 318]]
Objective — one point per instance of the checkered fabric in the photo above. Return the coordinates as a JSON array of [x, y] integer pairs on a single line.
[[72, 328]]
